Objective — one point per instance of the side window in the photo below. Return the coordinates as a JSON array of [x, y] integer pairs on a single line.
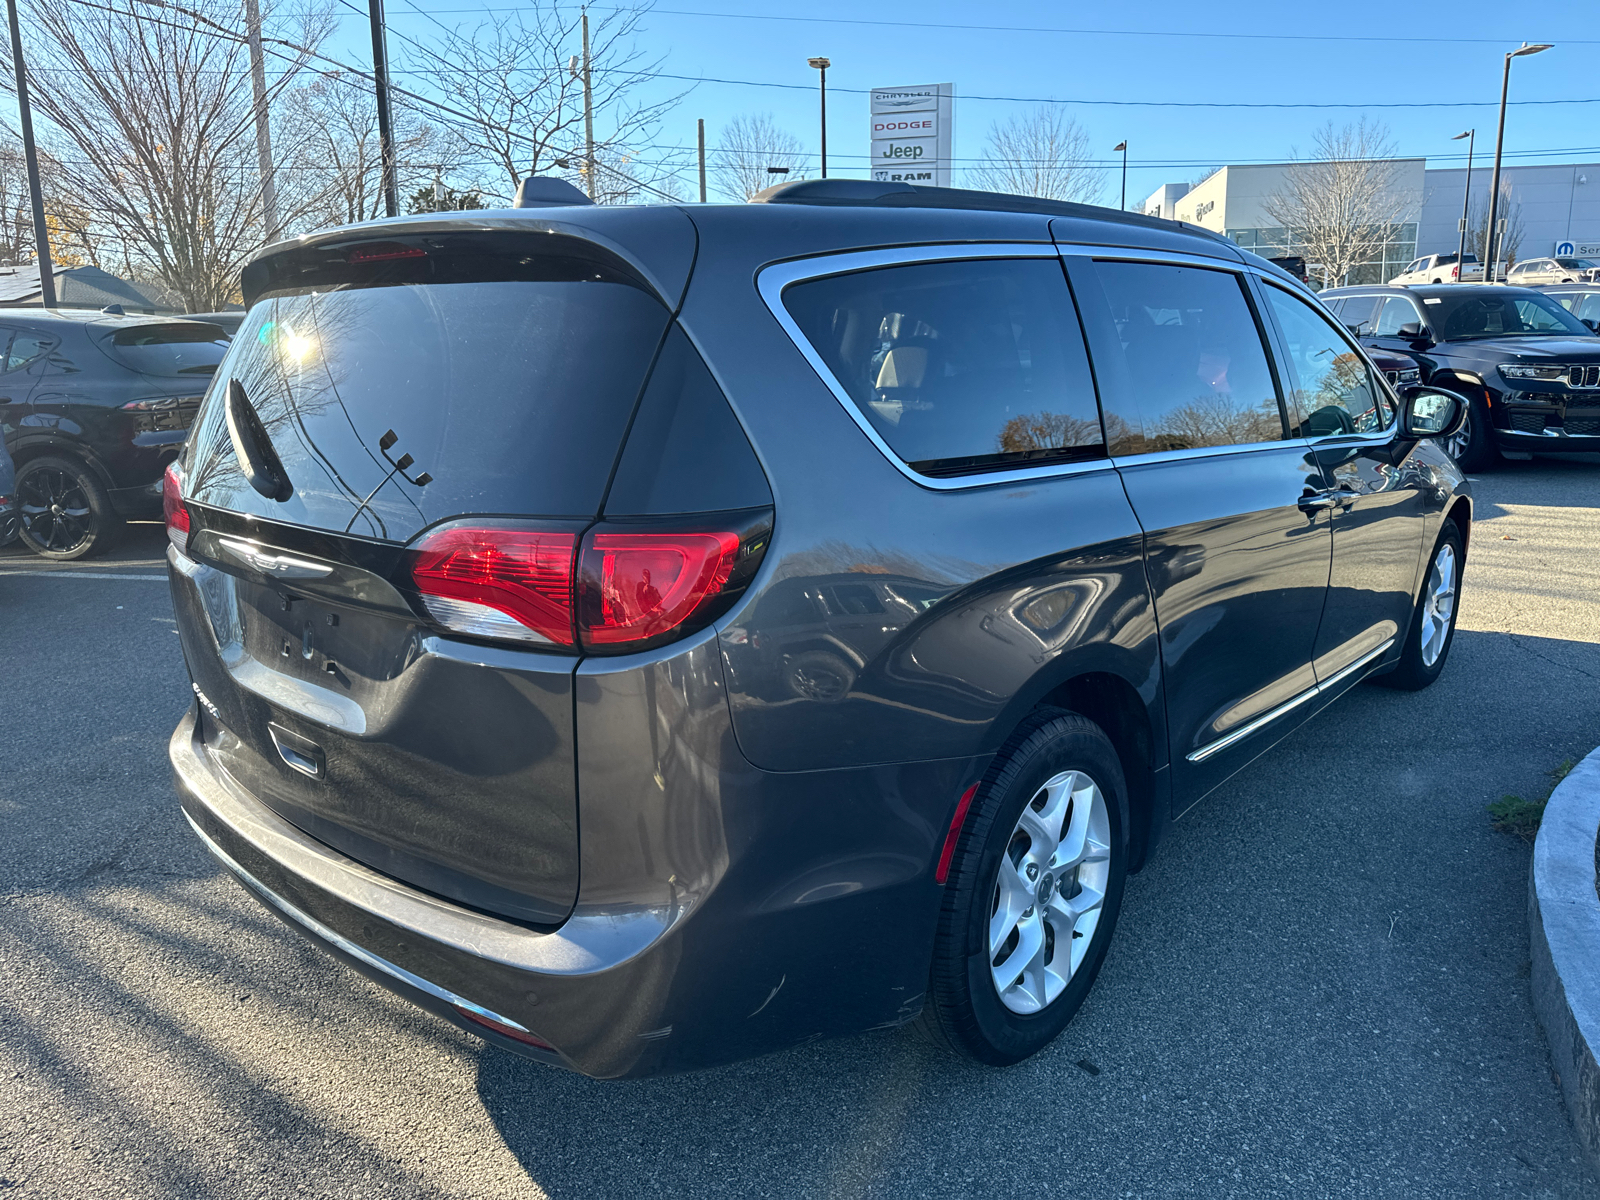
[[1333, 384], [1396, 312], [1590, 309], [1356, 314], [1567, 300], [25, 348], [959, 366], [1179, 358]]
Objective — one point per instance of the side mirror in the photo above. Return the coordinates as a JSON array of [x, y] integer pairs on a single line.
[[1593, 324], [1431, 412], [1412, 331]]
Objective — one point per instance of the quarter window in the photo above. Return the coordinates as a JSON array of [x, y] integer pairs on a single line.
[[1334, 390], [1179, 358], [958, 366], [25, 348]]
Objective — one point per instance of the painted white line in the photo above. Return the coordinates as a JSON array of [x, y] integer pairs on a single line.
[[58, 574]]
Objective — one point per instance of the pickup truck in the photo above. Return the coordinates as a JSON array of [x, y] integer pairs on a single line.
[[1440, 268]]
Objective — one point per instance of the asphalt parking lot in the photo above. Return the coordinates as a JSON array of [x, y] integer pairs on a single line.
[[1319, 986]]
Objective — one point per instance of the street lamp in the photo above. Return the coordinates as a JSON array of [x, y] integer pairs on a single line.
[[1466, 196], [1123, 146], [1491, 258], [822, 65]]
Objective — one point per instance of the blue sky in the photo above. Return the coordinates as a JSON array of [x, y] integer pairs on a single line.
[[1168, 53]]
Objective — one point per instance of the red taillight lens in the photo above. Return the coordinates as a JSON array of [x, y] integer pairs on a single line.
[[1455, 272], [383, 252], [174, 509], [498, 581], [636, 586]]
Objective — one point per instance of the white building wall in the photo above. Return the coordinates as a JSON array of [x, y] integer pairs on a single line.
[[1163, 201], [1559, 202]]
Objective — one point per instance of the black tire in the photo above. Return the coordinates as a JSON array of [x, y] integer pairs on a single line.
[[64, 510], [819, 675], [1473, 448], [1414, 672], [964, 1010]]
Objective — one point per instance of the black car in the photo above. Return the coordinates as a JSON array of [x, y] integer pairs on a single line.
[[1529, 367], [8, 481], [95, 406], [652, 636], [1582, 300]]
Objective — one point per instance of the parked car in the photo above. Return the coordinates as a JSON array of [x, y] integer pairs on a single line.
[[1440, 268], [1530, 369], [1582, 300], [1535, 271], [95, 407], [648, 637], [1294, 264], [8, 494]]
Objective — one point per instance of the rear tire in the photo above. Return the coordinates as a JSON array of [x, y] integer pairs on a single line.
[[1033, 893], [63, 510], [1433, 621]]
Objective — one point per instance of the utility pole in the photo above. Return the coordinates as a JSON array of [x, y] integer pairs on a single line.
[[1490, 258], [822, 65], [380, 76], [703, 157], [258, 92], [41, 231], [1466, 199], [588, 109]]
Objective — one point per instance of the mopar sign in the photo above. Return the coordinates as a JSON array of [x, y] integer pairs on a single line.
[[911, 128], [1571, 249]]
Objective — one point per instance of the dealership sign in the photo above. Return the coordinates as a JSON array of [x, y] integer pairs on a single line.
[[1578, 249], [911, 128]]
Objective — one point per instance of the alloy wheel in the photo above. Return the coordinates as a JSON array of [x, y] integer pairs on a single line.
[[1460, 441], [1050, 891], [54, 510], [1438, 604]]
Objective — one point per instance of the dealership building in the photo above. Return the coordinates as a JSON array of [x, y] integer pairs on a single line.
[[1556, 205]]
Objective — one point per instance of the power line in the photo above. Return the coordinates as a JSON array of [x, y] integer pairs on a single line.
[[1076, 32]]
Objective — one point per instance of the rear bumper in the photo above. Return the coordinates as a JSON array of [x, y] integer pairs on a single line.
[[724, 912], [138, 503]]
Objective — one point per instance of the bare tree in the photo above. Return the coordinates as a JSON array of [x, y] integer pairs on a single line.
[[749, 145], [72, 241], [1040, 153], [336, 174], [1339, 207], [149, 113], [1478, 228], [519, 80]]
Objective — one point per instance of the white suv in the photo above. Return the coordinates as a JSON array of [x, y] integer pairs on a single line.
[[1439, 268]]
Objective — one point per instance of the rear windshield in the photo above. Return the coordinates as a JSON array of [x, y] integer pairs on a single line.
[[173, 348], [508, 396]]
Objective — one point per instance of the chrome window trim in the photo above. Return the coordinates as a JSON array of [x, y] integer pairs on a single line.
[[1167, 258], [1160, 456], [773, 279]]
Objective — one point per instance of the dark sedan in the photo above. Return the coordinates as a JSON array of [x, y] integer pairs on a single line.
[[1529, 366], [94, 406]]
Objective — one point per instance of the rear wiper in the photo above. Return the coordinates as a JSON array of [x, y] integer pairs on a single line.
[[257, 458]]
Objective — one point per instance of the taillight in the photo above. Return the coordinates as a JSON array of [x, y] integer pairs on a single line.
[[634, 587], [626, 587], [174, 509], [498, 581], [1455, 272]]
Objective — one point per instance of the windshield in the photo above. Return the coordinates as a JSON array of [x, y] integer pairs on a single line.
[[1504, 314], [170, 348], [1575, 264]]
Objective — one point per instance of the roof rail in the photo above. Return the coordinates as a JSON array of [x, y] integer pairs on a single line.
[[869, 192]]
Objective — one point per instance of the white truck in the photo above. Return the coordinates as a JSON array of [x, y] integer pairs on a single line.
[[1440, 268]]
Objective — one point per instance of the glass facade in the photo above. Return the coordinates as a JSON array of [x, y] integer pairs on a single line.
[[1389, 249]]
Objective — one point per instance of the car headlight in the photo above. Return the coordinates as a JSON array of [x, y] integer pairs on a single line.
[[1523, 371]]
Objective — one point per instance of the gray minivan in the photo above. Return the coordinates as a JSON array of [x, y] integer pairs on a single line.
[[652, 636]]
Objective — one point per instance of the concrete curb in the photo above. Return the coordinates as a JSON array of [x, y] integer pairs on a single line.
[[1564, 915]]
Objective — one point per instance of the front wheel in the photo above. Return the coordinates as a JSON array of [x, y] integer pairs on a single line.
[[1433, 622], [1472, 446], [1033, 894]]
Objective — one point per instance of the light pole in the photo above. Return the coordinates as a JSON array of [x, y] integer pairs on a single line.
[[380, 79], [1466, 197], [1123, 146], [822, 65], [1491, 258], [41, 231]]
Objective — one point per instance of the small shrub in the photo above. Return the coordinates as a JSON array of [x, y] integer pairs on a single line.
[[1513, 814]]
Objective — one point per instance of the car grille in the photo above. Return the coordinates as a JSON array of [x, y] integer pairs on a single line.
[[1527, 422], [1535, 422], [1583, 426], [1583, 377]]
